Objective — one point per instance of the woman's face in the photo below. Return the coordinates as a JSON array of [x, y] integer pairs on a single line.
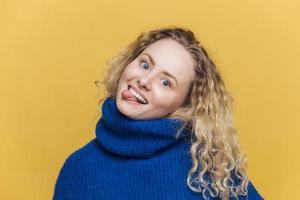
[[162, 74]]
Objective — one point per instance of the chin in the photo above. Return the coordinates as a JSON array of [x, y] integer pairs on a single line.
[[123, 107]]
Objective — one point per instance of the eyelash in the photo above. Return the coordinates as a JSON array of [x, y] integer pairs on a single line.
[[144, 61]]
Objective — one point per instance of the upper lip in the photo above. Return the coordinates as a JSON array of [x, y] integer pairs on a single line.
[[135, 89]]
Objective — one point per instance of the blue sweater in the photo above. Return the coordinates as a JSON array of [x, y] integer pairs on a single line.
[[131, 159]]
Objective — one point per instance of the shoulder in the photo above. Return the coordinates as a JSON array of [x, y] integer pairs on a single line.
[[252, 193], [81, 153], [74, 165]]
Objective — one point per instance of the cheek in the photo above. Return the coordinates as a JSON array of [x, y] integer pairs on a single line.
[[127, 74], [131, 69], [165, 100]]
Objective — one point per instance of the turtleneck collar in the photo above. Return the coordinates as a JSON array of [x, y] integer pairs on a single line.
[[135, 138]]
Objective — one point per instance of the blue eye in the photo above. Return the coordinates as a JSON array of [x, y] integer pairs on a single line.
[[166, 81], [144, 64]]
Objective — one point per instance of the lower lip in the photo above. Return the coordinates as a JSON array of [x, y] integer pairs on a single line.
[[130, 100], [133, 102]]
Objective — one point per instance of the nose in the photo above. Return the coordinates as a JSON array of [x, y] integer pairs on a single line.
[[145, 81], [144, 84]]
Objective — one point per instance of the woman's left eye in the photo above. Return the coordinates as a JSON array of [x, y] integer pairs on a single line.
[[168, 83]]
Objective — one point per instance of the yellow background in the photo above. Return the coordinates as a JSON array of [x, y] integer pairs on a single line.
[[51, 52]]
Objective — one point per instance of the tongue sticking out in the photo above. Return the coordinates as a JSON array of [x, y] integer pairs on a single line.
[[127, 95]]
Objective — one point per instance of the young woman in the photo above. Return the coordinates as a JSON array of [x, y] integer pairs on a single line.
[[166, 130]]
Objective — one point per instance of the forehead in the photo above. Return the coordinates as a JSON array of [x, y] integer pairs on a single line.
[[172, 57]]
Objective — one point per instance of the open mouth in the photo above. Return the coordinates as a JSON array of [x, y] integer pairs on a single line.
[[139, 98]]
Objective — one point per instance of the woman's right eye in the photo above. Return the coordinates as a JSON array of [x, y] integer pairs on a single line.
[[144, 64]]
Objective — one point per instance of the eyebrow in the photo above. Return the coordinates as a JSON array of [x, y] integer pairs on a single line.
[[165, 72]]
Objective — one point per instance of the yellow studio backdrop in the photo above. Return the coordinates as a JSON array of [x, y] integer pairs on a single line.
[[51, 52]]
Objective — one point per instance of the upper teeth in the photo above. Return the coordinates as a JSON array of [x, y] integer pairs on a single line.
[[137, 95]]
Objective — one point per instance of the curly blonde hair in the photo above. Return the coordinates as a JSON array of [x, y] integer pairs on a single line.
[[219, 165]]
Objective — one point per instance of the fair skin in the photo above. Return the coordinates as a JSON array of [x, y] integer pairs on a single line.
[[163, 93]]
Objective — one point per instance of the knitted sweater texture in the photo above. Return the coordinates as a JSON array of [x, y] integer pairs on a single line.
[[131, 160]]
